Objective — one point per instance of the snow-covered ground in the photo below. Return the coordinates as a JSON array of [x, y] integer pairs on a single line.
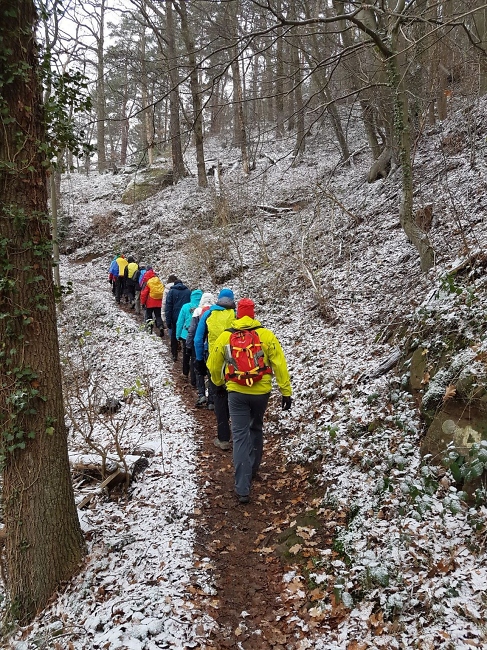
[[132, 590], [410, 567]]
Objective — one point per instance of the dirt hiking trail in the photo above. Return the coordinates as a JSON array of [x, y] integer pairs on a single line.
[[249, 548]]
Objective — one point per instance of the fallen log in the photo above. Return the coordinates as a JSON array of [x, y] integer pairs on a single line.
[[272, 209], [383, 367], [89, 465], [114, 479]]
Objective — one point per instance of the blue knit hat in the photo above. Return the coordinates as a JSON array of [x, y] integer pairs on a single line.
[[226, 293]]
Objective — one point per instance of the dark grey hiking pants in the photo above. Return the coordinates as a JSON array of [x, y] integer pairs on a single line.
[[220, 401], [247, 416]]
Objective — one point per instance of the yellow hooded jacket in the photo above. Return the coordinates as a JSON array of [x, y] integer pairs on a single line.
[[131, 269], [273, 357], [122, 263]]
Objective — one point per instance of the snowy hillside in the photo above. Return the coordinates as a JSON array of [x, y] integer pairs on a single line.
[[324, 257]]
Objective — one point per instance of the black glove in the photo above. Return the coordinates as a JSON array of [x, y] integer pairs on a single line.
[[220, 390], [286, 402], [200, 367]]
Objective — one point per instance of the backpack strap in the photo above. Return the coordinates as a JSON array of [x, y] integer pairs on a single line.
[[244, 329]]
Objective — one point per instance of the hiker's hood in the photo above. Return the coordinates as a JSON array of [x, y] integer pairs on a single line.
[[218, 307], [245, 323], [179, 286], [226, 300], [195, 297], [225, 303], [207, 299]]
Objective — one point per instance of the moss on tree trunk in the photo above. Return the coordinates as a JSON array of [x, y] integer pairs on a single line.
[[44, 543]]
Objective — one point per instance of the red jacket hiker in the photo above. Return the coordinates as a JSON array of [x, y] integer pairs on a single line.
[[145, 294]]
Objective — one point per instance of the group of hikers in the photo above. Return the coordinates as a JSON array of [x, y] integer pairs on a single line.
[[227, 355]]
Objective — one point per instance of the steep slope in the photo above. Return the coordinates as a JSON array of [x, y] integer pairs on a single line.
[[323, 255]]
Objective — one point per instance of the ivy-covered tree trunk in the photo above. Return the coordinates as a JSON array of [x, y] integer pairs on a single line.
[[44, 543]]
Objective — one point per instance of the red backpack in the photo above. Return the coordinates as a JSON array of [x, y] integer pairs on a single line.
[[244, 357]]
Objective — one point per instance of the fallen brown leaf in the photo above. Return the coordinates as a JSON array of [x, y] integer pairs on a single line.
[[356, 645], [450, 392], [316, 594]]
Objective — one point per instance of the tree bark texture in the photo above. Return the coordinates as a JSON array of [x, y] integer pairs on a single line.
[[178, 168], [416, 236], [44, 543], [147, 111], [239, 126], [195, 92], [100, 94]]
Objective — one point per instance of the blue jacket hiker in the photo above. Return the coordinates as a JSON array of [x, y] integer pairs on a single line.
[[178, 296], [222, 314], [113, 273], [207, 299], [186, 314], [212, 323], [182, 328]]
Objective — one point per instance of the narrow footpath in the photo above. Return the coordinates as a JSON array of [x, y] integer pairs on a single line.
[[249, 549], [248, 546]]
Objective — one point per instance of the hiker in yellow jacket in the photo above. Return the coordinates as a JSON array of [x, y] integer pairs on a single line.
[[248, 388], [119, 276], [151, 300], [130, 273]]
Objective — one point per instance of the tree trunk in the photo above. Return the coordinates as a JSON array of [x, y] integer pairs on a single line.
[[124, 140], [365, 104], [215, 106], [337, 124], [480, 18], [239, 127], [178, 168], [300, 144], [148, 127], [240, 132], [100, 94], [279, 83], [444, 65], [44, 543], [195, 92], [297, 90], [416, 236], [321, 83]]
